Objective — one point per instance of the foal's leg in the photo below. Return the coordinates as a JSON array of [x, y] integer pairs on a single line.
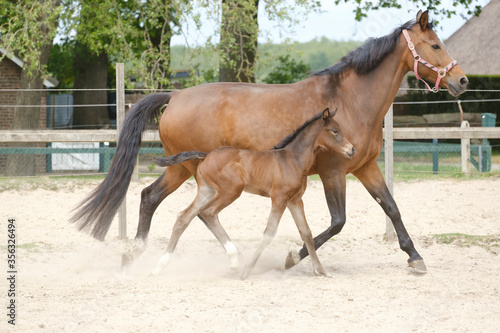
[[151, 197], [334, 184], [372, 179], [209, 214], [296, 207], [205, 193], [277, 209]]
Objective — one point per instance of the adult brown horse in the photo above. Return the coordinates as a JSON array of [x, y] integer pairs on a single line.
[[362, 85]]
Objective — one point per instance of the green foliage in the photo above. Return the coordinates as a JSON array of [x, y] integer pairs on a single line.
[[289, 71], [435, 7], [316, 54], [60, 64], [25, 27]]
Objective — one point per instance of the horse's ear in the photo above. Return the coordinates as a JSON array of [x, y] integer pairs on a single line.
[[419, 14], [326, 114], [423, 20], [333, 113]]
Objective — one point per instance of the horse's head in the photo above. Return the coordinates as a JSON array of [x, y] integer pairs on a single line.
[[331, 137], [428, 57]]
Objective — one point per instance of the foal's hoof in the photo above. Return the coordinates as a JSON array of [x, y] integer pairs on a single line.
[[418, 266], [292, 259]]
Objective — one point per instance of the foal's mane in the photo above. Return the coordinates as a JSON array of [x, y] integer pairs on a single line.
[[283, 143], [369, 55]]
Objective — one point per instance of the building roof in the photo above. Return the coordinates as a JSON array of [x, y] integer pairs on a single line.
[[49, 82], [476, 45]]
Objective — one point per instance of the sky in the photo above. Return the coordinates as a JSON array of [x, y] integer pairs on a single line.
[[336, 22]]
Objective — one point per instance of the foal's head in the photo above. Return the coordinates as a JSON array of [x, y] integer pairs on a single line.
[[331, 138]]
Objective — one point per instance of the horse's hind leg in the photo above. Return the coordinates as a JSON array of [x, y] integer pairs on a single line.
[[372, 179], [296, 207], [151, 197], [277, 209]]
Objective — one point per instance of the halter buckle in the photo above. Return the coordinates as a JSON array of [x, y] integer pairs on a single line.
[[411, 46]]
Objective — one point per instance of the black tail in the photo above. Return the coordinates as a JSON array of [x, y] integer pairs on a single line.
[[96, 212], [179, 158]]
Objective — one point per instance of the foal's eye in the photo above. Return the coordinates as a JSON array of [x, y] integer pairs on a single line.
[[436, 46]]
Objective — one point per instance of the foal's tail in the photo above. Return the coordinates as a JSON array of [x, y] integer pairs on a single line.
[[96, 212], [179, 158]]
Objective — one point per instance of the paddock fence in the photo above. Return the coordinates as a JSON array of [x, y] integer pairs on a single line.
[[461, 150]]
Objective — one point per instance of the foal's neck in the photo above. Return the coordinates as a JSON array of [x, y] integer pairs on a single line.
[[302, 147]]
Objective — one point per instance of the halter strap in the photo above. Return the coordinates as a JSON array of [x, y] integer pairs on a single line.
[[441, 72]]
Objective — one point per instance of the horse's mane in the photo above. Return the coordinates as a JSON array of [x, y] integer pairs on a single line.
[[369, 55], [283, 143]]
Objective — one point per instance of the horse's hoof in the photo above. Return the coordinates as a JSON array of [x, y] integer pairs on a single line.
[[244, 275], [322, 273], [155, 272], [292, 259], [126, 260], [417, 266]]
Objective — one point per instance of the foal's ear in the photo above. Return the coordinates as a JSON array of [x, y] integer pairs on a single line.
[[423, 19], [333, 113], [326, 114]]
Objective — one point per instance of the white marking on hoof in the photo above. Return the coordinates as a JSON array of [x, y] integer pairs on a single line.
[[162, 263], [232, 252]]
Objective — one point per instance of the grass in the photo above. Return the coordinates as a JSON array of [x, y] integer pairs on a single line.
[[29, 247], [463, 240]]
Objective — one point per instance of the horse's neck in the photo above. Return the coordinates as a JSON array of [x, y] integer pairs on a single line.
[[369, 96]]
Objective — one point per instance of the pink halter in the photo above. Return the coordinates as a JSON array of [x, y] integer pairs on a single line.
[[441, 72]]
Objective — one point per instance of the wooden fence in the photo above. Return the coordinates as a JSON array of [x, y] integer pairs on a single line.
[[465, 134]]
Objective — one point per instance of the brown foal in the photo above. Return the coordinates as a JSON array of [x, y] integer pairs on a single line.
[[279, 173]]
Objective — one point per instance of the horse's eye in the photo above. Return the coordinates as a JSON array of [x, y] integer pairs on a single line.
[[436, 46], [335, 132]]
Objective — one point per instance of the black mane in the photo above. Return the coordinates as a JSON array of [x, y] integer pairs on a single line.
[[369, 55], [292, 136]]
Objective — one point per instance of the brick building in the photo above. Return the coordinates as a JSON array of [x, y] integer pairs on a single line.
[[10, 76]]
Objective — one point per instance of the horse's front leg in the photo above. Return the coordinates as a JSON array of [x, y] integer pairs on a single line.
[[371, 178], [334, 185]]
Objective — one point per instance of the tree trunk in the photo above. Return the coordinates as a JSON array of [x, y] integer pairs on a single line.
[[28, 117], [91, 72], [239, 32]]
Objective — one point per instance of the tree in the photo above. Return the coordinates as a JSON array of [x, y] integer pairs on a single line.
[[288, 71], [238, 39], [28, 30]]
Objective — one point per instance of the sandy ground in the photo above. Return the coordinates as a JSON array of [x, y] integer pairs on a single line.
[[69, 282]]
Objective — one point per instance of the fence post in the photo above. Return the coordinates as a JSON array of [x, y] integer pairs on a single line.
[[465, 144], [390, 234], [120, 116]]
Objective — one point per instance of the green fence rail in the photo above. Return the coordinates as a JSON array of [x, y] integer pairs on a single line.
[[105, 153]]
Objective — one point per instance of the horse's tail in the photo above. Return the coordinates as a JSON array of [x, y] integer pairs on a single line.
[[179, 158], [96, 212]]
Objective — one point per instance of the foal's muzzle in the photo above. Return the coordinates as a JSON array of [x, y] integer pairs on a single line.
[[350, 152]]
